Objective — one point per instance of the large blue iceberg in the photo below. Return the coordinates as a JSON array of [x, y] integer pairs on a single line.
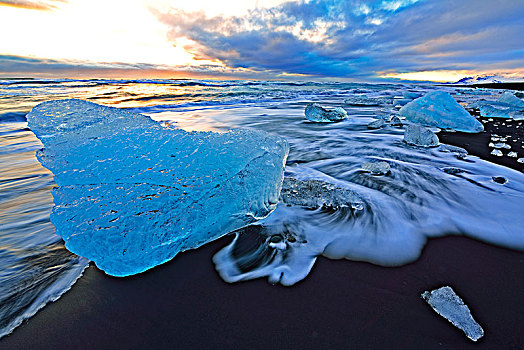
[[439, 109], [132, 194]]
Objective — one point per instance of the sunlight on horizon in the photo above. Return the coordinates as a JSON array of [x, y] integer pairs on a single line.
[[90, 30]]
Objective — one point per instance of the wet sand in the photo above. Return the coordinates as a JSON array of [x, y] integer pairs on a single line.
[[184, 304]]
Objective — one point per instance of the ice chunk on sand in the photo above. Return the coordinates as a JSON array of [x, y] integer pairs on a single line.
[[449, 305], [377, 124], [439, 109], [317, 113], [512, 154], [132, 194], [497, 152], [420, 136], [376, 168]]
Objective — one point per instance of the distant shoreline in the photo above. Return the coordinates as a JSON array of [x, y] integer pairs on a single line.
[[506, 86]]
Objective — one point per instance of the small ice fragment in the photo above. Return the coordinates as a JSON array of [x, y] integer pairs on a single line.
[[317, 113], [452, 171], [520, 160], [449, 305], [277, 242], [377, 124], [497, 152], [376, 168], [411, 95], [501, 145], [419, 136], [491, 144], [318, 194], [395, 121], [495, 138], [364, 101], [512, 154], [439, 109]]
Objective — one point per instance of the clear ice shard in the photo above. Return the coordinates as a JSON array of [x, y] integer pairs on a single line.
[[449, 305], [377, 124], [417, 135], [376, 168], [317, 113], [132, 194], [439, 109], [316, 194]]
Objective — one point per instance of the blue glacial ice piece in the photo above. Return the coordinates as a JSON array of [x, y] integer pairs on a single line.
[[439, 109], [317, 113], [132, 194], [507, 106]]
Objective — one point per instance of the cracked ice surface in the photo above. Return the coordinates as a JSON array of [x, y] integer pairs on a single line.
[[449, 305], [132, 194]]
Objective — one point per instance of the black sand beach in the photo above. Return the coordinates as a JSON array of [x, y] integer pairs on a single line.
[[184, 304]]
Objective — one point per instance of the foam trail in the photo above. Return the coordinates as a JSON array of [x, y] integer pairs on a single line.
[[428, 193], [36, 267]]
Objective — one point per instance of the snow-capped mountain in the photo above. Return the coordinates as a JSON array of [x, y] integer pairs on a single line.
[[489, 79]]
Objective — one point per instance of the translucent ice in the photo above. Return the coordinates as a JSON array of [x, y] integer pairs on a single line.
[[377, 124], [420, 136], [439, 109], [511, 99], [376, 168], [411, 94], [449, 305], [317, 113], [132, 194], [507, 106], [395, 121], [316, 194]]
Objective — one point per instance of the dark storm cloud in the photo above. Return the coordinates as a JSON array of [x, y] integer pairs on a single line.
[[361, 38]]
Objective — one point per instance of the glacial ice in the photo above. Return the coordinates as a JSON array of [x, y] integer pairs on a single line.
[[449, 305], [420, 136], [510, 99], [411, 94], [376, 168], [317, 113], [132, 194], [439, 109], [395, 121], [366, 101], [316, 194], [507, 106], [377, 124], [497, 152]]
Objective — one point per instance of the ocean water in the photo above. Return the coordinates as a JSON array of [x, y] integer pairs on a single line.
[[386, 220]]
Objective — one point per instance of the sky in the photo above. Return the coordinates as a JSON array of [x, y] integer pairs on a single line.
[[356, 40]]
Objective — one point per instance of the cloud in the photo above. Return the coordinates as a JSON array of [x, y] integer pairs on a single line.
[[359, 39], [20, 66], [32, 5]]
